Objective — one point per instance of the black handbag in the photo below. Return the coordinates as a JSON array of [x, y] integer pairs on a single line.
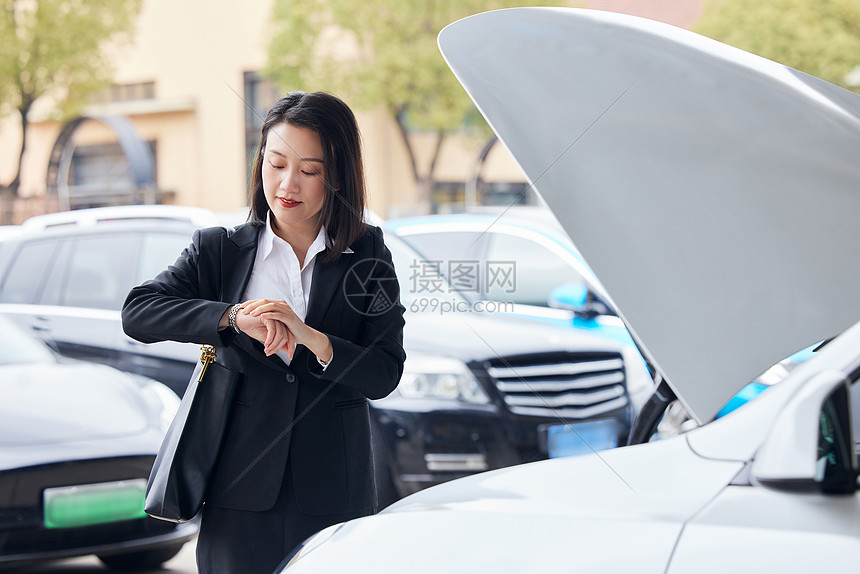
[[177, 483]]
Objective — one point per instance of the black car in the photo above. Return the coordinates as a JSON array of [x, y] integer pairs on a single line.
[[479, 391], [77, 441]]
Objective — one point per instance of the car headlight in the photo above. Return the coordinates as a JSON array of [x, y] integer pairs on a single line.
[[308, 546], [169, 403], [434, 377], [162, 402]]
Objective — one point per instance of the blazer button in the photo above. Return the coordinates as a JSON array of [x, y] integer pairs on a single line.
[[291, 378]]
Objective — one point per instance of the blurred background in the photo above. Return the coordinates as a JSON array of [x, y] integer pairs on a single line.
[[143, 102], [112, 102]]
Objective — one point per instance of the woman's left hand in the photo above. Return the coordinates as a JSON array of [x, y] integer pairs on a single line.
[[298, 333], [277, 337]]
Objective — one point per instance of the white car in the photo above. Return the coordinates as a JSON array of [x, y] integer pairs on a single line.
[[692, 176]]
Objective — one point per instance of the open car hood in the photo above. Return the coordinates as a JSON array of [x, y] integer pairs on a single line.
[[714, 193]]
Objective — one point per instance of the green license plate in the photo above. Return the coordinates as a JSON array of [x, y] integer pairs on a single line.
[[71, 506]]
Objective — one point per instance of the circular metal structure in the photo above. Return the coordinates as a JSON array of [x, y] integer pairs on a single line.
[[137, 153]]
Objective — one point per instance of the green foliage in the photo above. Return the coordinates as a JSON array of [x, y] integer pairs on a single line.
[[60, 48], [819, 37], [375, 52]]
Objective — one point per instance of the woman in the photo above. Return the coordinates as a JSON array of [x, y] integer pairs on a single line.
[[304, 302]]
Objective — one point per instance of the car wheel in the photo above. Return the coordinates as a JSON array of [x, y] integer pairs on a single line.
[[142, 559]]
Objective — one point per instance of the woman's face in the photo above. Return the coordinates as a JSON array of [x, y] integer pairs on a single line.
[[294, 177]]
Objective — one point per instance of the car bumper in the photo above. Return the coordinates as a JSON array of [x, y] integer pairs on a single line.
[[24, 536], [36, 545], [432, 442]]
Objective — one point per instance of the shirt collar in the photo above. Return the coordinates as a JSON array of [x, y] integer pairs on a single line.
[[268, 239]]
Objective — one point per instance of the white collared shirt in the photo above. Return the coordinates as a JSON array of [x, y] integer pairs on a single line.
[[277, 274]]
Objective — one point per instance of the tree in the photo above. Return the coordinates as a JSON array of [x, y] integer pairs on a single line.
[[57, 49], [380, 52], [819, 37]]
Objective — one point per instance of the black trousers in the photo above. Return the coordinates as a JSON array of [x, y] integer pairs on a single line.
[[245, 542]]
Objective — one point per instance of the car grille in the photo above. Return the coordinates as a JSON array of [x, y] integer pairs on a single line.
[[565, 385]]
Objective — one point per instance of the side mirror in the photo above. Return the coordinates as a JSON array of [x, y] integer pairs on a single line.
[[810, 447], [570, 296], [580, 299]]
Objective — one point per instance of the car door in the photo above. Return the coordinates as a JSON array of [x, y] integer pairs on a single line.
[[23, 276], [83, 294], [169, 362]]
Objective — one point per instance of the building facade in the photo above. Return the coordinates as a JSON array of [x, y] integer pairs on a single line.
[[190, 86]]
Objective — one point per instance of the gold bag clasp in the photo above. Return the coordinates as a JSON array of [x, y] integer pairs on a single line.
[[207, 355]]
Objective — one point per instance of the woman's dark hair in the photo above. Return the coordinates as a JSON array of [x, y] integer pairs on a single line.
[[342, 212]]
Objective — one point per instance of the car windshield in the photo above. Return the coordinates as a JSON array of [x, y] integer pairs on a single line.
[[422, 286], [18, 347]]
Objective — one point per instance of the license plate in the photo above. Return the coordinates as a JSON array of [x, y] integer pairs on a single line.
[[86, 504], [581, 438]]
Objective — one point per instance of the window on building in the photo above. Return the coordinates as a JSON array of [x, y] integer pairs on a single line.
[[506, 193], [450, 196], [260, 94], [101, 175], [126, 93]]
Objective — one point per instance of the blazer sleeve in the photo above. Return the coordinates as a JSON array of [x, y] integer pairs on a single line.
[[373, 365], [181, 303]]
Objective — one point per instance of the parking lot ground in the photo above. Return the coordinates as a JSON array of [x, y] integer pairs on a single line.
[[182, 563]]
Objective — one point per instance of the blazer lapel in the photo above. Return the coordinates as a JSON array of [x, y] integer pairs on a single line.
[[238, 252], [328, 278]]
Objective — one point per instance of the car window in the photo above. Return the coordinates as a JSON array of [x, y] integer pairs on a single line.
[[24, 277], [536, 273], [101, 272], [455, 255], [441, 246], [7, 249], [422, 288], [159, 250], [55, 284]]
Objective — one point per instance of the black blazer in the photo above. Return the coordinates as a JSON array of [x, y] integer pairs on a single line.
[[320, 421]]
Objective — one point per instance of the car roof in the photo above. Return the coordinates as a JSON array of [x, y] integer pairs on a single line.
[[103, 228], [88, 217], [540, 221], [7, 231]]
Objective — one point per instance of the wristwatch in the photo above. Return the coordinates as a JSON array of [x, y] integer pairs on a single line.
[[232, 317]]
